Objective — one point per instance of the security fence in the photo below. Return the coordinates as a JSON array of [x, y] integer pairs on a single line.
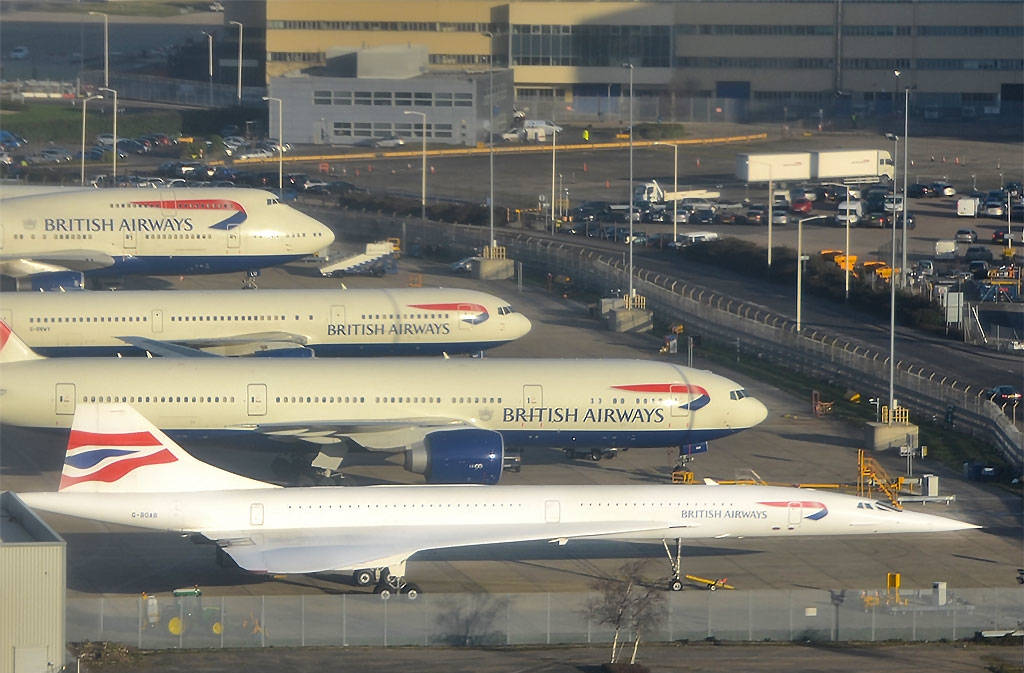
[[751, 330], [539, 618]]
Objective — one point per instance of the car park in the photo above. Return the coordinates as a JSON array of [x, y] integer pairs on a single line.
[[966, 236], [977, 253]]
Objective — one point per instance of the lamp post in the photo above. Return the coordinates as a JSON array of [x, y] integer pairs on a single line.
[[490, 134], [675, 184], [629, 302], [240, 28], [895, 153], [906, 166], [112, 91], [423, 162], [280, 143], [85, 103], [847, 265], [554, 137], [209, 67], [106, 46]]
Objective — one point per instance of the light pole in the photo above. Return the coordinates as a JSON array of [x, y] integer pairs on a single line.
[[423, 163], [85, 103], [209, 67], [675, 185], [629, 303], [106, 46], [280, 143], [490, 135], [895, 217], [240, 28], [554, 137], [906, 165], [114, 176], [847, 265]]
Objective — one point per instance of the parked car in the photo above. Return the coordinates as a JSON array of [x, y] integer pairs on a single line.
[[943, 188], [464, 265], [966, 236], [779, 216], [1003, 394], [978, 253], [801, 205], [1000, 237], [880, 220], [994, 208], [919, 190]]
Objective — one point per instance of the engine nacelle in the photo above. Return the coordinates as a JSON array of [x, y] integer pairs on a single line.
[[462, 456], [54, 281]]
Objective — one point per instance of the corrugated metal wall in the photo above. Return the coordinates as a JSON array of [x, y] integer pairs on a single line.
[[32, 592]]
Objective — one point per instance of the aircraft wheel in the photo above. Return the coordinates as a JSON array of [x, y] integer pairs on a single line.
[[595, 455], [385, 594], [676, 585], [712, 587], [363, 578], [412, 592]]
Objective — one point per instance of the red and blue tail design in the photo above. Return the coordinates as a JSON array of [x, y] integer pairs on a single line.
[[113, 448], [13, 349]]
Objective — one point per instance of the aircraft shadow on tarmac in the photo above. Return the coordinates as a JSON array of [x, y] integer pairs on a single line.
[[815, 438]]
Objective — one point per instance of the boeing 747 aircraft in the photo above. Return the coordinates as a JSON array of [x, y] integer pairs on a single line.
[[121, 469], [453, 418], [264, 322], [53, 237]]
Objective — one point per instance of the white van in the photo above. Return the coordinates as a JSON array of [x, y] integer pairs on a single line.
[[849, 212]]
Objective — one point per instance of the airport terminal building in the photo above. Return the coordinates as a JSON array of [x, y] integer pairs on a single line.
[[757, 59]]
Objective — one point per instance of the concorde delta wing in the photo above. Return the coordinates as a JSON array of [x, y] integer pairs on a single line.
[[323, 550], [56, 261]]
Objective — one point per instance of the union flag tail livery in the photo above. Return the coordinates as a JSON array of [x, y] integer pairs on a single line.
[[112, 448], [12, 348]]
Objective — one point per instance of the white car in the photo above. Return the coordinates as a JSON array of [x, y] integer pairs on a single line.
[[105, 140], [255, 153], [994, 208]]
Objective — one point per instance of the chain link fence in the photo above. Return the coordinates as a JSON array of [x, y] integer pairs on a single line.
[[751, 330], [474, 619]]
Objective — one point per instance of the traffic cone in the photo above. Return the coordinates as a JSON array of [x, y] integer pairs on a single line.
[[607, 184]]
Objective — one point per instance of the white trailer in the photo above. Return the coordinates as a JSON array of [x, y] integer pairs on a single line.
[[776, 167], [839, 164], [967, 206]]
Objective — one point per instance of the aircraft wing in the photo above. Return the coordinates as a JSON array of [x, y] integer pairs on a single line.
[[241, 344], [371, 434], [321, 550], [18, 266]]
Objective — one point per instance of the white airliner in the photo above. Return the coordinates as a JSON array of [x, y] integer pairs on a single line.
[[121, 469], [265, 322], [51, 236], [452, 417]]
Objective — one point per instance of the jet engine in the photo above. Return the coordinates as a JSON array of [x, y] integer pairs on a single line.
[[54, 281], [460, 456]]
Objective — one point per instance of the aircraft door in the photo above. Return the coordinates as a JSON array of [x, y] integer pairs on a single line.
[[257, 399], [234, 240], [552, 511], [533, 396], [156, 320], [679, 398], [256, 514], [794, 514], [129, 240], [64, 399]]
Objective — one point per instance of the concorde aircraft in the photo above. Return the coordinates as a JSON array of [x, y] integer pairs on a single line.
[[265, 322], [453, 418], [54, 237], [121, 469]]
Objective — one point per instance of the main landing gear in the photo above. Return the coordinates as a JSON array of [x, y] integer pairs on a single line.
[[388, 583], [676, 564]]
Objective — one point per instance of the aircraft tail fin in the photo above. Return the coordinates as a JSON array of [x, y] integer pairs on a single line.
[[113, 448], [12, 348]]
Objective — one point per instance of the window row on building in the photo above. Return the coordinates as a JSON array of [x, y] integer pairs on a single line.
[[401, 26], [591, 45], [754, 62], [443, 99], [389, 129], [788, 30]]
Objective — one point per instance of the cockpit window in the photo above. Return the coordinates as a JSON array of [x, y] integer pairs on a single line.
[[737, 394], [505, 310], [271, 202]]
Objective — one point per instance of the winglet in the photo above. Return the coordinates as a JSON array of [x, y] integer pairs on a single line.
[[112, 448], [12, 348]]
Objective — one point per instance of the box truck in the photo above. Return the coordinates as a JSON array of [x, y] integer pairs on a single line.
[[777, 167], [816, 165]]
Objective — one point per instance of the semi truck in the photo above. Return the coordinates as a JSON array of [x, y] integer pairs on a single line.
[[816, 165]]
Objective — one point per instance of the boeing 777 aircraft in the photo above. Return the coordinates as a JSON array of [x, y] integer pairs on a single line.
[[453, 418], [53, 237], [121, 469], [264, 322]]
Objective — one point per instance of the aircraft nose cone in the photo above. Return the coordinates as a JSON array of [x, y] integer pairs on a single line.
[[522, 325], [758, 412]]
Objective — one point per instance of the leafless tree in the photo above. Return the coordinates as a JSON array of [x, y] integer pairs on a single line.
[[627, 603]]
